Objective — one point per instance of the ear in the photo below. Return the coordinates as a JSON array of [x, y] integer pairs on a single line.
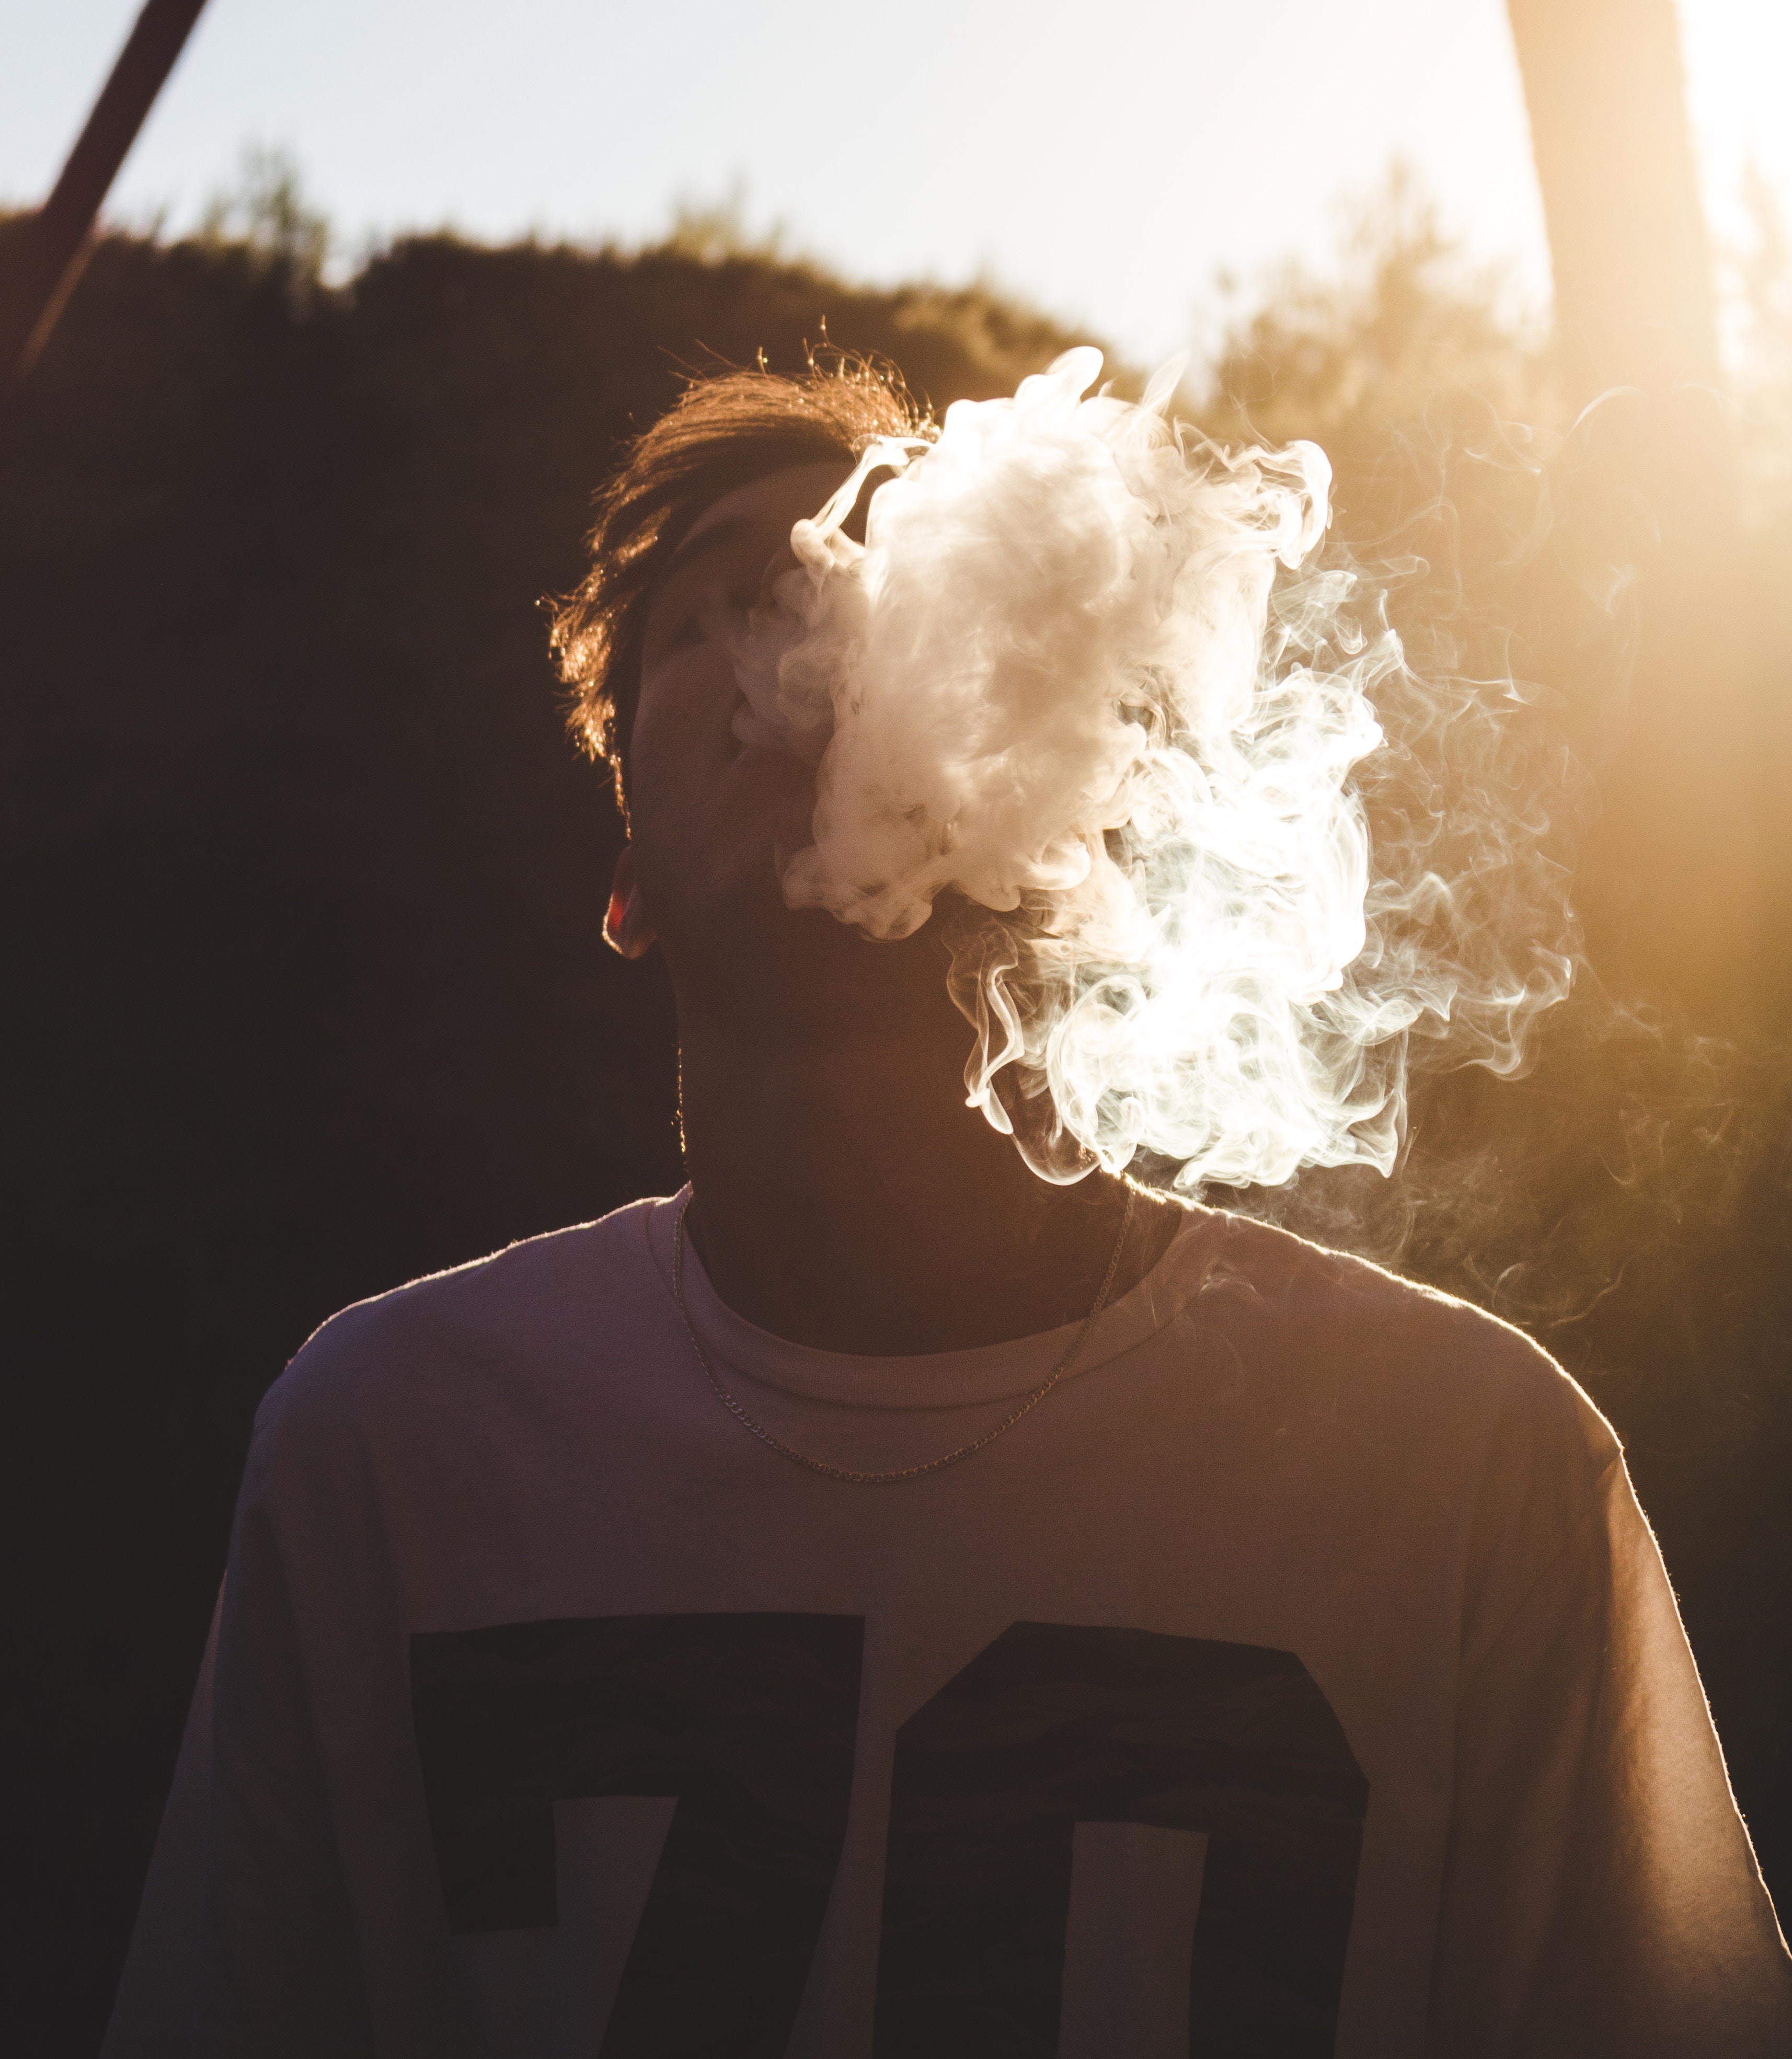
[[626, 927]]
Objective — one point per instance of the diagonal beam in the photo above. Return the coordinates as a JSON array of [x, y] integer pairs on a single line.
[[46, 258]]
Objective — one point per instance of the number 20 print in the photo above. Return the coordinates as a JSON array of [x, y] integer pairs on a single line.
[[749, 1721]]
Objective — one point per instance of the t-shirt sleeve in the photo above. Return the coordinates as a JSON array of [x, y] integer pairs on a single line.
[[244, 1944], [1601, 1895], [279, 1968]]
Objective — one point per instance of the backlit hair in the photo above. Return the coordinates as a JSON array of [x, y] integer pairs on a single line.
[[724, 431]]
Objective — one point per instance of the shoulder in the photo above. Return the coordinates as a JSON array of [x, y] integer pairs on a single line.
[[1387, 1345], [532, 1304]]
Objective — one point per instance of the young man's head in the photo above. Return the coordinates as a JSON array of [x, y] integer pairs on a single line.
[[689, 535]]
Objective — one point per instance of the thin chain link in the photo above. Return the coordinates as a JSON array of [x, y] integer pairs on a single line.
[[908, 1472]]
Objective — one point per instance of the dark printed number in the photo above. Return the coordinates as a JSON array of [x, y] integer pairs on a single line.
[[750, 1722], [1053, 1725]]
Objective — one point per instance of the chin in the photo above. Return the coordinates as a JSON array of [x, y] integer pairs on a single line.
[[804, 975]]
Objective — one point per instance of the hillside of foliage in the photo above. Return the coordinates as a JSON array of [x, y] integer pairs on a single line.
[[304, 884]]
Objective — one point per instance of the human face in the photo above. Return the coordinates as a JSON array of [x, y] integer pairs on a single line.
[[712, 817]]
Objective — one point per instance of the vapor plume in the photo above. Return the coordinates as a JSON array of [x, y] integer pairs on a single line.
[[1096, 681]]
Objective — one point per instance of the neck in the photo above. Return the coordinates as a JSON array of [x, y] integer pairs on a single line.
[[843, 1195]]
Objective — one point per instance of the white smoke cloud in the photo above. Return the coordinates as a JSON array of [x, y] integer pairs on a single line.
[[1089, 674]]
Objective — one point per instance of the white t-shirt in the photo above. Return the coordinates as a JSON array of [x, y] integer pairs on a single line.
[[1300, 1677]]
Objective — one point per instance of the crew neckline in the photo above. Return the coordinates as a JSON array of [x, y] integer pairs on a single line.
[[979, 1374]]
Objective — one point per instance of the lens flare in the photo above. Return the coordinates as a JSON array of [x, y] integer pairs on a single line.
[[1094, 679]]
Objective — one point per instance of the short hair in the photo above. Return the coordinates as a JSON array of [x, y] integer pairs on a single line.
[[725, 430]]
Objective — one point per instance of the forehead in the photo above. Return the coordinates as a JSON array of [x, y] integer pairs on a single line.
[[763, 510]]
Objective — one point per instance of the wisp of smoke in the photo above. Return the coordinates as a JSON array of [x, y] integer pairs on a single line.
[[1094, 678]]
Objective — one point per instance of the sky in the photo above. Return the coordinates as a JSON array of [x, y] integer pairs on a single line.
[[1107, 164]]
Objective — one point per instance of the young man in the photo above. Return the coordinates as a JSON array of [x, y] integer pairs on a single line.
[[877, 1603]]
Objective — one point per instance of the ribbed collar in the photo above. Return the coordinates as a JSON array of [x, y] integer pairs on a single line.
[[936, 1380]]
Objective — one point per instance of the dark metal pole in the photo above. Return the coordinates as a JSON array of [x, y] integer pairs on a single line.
[[1676, 868], [39, 272], [1604, 87]]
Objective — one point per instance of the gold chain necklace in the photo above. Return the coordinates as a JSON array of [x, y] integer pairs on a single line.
[[908, 1472]]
